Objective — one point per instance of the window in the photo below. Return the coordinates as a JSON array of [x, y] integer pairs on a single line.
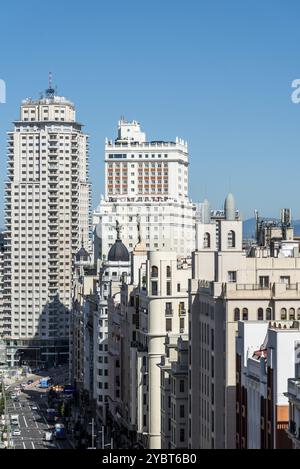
[[178, 287], [182, 434], [181, 411], [206, 241], [292, 314], [268, 314], [181, 308], [245, 314], [168, 271], [237, 314], [154, 271], [232, 276], [231, 239], [169, 310], [181, 385], [298, 313], [169, 289], [264, 282], [260, 314], [283, 314], [285, 279], [168, 325], [181, 325], [154, 288]]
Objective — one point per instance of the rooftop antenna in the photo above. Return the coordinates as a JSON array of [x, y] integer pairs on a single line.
[[256, 224], [50, 92]]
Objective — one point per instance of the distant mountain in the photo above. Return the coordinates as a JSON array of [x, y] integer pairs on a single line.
[[249, 227]]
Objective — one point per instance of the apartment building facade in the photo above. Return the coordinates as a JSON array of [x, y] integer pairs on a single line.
[[229, 284], [47, 201]]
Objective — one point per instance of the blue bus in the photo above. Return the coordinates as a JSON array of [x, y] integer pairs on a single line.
[[45, 382]]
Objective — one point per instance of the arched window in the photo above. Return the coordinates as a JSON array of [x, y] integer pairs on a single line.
[[237, 314], [154, 271], [168, 271], [260, 314], [283, 314], [268, 314], [292, 313], [206, 242], [298, 313], [231, 239], [245, 314]]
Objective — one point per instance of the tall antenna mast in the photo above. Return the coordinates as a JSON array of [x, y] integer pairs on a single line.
[[50, 92]]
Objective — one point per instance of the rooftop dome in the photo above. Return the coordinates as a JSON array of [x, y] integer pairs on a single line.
[[118, 252], [229, 207]]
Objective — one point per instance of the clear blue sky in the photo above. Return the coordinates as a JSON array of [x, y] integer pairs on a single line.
[[216, 73]]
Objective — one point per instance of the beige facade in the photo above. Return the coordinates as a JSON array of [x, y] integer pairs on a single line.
[[174, 394], [84, 285], [229, 284], [47, 215], [153, 310]]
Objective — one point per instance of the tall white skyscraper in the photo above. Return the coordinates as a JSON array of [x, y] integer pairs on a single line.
[[47, 220], [148, 179]]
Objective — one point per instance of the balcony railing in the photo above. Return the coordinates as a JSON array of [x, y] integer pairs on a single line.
[[169, 312]]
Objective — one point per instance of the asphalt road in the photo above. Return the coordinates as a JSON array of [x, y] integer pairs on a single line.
[[32, 423]]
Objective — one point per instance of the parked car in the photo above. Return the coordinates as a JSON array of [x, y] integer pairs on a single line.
[[16, 432]]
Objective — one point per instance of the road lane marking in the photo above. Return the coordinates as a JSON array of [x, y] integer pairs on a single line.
[[33, 447], [25, 421], [24, 445]]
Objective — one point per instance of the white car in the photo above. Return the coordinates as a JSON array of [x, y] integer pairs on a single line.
[[16, 433], [34, 407]]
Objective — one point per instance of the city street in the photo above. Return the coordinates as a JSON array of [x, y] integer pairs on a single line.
[[31, 409]]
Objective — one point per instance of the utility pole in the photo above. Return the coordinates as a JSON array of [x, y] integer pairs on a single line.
[[93, 433]]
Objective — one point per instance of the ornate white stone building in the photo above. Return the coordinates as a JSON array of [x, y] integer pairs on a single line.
[[114, 270], [149, 179]]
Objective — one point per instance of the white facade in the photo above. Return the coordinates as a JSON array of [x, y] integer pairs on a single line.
[[269, 357], [157, 309], [111, 276], [47, 216], [149, 179], [293, 395]]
